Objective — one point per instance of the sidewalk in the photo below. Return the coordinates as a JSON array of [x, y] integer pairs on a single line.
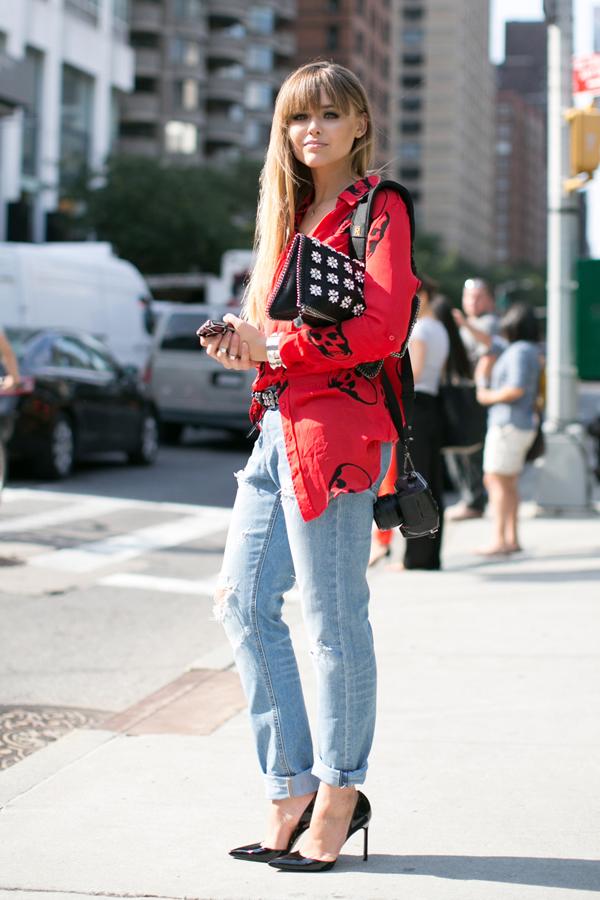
[[484, 779]]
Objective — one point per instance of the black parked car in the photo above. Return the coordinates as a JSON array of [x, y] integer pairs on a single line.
[[80, 401]]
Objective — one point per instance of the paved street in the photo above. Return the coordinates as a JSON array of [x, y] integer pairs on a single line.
[[127, 763]]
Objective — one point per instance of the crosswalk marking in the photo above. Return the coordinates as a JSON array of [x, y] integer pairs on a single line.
[[86, 509], [121, 547], [205, 586]]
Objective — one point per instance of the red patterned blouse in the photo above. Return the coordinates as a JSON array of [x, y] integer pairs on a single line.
[[334, 419]]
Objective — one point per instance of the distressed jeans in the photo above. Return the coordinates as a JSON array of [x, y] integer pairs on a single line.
[[269, 549]]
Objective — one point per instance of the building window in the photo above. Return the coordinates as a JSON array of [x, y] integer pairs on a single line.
[[145, 85], [261, 19], [412, 104], [413, 37], [75, 123], [412, 81], [138, 130], [181, 137], [185, 52], [412, 59], [333, 6], [186, 94], [188, 9], [144, 39], [332, 37], [359, 42], [410, 150], [411, 127], [121, 11], [88, 9], [413, 14], [31, 116], [504, 148], [228, 70], [259, 58], [410, 173], [258, 95]]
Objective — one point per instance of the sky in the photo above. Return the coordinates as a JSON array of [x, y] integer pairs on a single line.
[[508, 10]]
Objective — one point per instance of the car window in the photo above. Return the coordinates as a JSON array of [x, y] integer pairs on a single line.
[[102, 361], [68, 352], [180, 332]]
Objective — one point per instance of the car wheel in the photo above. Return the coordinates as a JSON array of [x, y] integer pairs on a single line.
[[170, 432], [147, 446], [58, 457]]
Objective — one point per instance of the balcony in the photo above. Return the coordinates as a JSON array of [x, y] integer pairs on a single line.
[[227, 9], [148, 61], [285, 43], [221, 130], [230, 89], [139, 146], [141, 106], [146, 16], [222, 45], [286, 10]]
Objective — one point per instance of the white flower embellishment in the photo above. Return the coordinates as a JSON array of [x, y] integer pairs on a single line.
[[359, 275], [316, 256], [358, 309], [346, 302], [316, 289], [316, 274], [331, 276], [348, 267], [332, 262], [333, 296], [349, 284]]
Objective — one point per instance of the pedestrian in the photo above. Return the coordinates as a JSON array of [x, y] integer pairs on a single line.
[[511, 395], [478, 323], [429, 347], [9, 362], [304, 505]]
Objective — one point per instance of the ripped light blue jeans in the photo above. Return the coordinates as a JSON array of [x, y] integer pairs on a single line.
[[269, 548]]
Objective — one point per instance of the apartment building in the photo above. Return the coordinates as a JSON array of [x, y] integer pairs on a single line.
[[357, 34], [75, 62], [521, 182], [206, 76]]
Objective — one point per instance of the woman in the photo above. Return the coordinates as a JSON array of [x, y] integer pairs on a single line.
[[511, 396], [304, 506]]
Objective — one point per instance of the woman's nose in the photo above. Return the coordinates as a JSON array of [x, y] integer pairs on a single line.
[[313, 126]]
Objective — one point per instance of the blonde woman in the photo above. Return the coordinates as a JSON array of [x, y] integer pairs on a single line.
[[304, 505]]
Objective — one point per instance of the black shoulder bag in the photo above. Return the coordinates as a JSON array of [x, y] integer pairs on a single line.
[[411, 507]]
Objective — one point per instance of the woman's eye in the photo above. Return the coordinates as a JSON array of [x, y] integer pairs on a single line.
[[298, 117], [332, 115]]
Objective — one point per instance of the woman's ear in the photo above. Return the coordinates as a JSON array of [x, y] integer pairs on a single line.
[[361, 127]]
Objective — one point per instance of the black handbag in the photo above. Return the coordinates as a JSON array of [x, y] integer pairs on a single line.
[[317, 284], [464, 419]]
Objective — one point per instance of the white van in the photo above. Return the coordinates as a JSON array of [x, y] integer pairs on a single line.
[[81, 286]]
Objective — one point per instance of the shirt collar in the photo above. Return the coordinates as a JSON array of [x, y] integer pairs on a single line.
[[350, 195]]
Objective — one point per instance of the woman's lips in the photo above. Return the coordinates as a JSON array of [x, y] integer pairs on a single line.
[[314, 144]]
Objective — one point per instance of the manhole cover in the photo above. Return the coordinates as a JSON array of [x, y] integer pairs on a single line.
[[25, 729]]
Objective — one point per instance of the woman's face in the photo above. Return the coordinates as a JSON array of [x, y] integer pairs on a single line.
[[324, 136]]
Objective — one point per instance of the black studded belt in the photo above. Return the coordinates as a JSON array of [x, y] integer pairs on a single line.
[[269, 398]]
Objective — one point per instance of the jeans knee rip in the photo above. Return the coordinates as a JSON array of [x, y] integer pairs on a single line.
[[322, 651], [225, 599], [287, 490]]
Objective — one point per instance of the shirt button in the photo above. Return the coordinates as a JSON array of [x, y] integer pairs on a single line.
[[391, 337]]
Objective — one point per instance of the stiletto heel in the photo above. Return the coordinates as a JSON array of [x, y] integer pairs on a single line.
[[258, 853], [295, 862]]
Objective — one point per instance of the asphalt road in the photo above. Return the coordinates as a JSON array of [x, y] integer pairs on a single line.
[[106, 580]]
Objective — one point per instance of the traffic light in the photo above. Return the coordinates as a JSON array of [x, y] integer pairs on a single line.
[[585, 141]]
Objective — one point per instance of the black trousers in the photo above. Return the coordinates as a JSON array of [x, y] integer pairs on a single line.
[[426, 452]]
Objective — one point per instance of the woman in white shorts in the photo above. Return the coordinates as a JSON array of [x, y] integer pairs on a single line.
[[511, 396]]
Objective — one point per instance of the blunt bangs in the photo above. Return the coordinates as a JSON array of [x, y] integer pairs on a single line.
[[302, 92]]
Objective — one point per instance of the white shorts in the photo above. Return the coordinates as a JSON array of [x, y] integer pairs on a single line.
[[505, 449]]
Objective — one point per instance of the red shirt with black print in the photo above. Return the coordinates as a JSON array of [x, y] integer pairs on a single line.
[[335, 419]]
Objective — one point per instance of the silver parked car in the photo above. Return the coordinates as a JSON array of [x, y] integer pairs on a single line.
[[189, 387]]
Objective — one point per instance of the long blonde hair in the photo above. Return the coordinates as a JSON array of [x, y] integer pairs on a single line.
[[284, 181]]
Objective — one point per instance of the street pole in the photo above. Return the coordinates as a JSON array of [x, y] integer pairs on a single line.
[[563, 482]]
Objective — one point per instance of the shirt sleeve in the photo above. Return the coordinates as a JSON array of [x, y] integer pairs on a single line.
[[518, 363], [389, 288]]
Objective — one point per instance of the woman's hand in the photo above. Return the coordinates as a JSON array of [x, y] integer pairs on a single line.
[[241, 349]]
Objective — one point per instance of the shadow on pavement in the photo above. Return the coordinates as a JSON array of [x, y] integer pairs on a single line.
[[581, 874]]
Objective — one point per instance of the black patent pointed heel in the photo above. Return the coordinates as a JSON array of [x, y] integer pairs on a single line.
[[258, 853], [295, 862]]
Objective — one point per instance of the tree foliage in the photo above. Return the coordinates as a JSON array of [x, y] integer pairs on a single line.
[[173, 218]]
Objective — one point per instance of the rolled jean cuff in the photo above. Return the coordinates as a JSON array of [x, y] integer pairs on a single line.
[[338, 777], [277, 787]]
